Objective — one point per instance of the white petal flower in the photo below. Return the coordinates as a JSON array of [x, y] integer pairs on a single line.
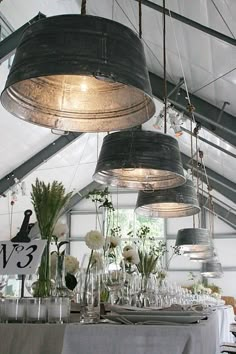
[[127, 248], [94, 240], [112, 242], [60, 230], [131, 256], [71, 264]]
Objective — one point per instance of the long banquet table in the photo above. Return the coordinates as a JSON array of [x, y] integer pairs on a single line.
[[202, 338]]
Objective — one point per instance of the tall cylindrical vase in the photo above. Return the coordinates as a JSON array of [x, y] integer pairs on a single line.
[[60, 288], [42, 287], [90, 296]]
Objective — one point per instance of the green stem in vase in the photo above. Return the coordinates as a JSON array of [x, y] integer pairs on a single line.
[[87, 274], [42, 287]]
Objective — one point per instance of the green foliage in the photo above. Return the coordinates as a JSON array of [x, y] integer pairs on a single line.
[[101, 198], [59, 245], [147, 264], [48, 201], [150, 251]]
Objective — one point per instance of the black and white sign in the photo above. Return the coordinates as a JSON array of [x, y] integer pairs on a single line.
[[19, 257]]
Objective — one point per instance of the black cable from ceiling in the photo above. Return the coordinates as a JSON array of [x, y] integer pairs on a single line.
[[222, 17], [212, 81]]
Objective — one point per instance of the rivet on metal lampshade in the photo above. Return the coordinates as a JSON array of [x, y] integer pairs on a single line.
[[193, 240], [79, 73], [141, 160], [169, 203], [212, 269]]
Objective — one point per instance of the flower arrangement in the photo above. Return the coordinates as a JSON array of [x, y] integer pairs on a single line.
[[198, 287], [148, 256], [48, 201]]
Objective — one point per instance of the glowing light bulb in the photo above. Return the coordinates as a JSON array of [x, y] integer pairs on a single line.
[[84, 87]]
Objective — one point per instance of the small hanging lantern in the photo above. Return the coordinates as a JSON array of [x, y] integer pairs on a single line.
[[140, 160], [79, 73], [193, 240], [169, 203], [212, 269]]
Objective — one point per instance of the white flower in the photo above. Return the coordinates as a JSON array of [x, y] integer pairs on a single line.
[[60, 230], [112, 242], [97, 260], [71, 264], [127, 248], [94, 240], [131, 256]]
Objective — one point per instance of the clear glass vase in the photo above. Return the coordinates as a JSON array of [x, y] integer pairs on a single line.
[[42, 287], [89, 284], [60, 288]]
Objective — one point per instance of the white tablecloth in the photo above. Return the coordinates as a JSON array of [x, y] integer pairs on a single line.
[[225, 318], [200, 338]]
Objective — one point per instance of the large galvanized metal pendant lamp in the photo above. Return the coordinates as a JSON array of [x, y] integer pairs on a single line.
[[79, 73], [193, 240], [140, 160], [169, 203]]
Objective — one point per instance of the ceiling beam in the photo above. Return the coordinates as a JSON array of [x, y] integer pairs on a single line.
[[190, 22], [10, 43], [218, 147], [43, 155], [217, 182], [77, 197], [222, 213], [205, 113]]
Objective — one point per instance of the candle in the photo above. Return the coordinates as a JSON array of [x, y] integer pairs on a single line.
[[15, 310], [36, 310], [58, 310]]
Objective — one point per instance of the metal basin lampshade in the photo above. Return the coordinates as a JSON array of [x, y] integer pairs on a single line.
[[169, 203], [140, 160], [79, 73], [212, 269], [193, 240], [202, 256]]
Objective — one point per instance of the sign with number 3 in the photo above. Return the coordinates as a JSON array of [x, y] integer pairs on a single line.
[[19, 257]]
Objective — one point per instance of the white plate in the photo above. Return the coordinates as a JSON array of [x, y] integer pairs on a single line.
[[161, 313], [140, 318]]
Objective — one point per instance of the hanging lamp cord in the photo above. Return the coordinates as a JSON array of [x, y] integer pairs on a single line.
[[83, 7], [190, 110], [140, 18], [164, 66]]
